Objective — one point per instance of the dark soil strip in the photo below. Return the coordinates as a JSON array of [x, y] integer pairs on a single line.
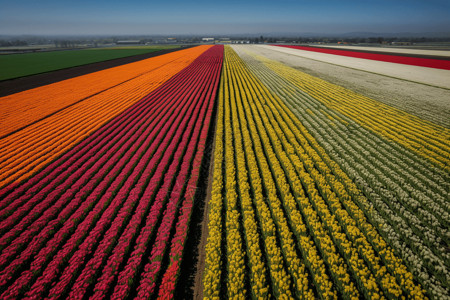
[[16, 85], [203, 223], [189, 282]]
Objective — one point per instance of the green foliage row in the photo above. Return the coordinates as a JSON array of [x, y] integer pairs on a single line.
[[19, 65]]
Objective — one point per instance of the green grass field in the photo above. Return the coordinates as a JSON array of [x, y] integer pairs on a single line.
[[18, 65]]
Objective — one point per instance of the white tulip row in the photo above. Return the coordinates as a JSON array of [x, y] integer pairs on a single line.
[[409, 204]]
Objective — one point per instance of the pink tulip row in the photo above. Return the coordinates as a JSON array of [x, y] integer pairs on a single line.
[[116, 258], [152, 269], [110, 217], [169, 279], [74, 223], [123, 286], [70, 216], [83, 227]]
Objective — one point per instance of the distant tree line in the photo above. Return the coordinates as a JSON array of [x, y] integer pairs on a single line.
[[4, 43], [73, 42]]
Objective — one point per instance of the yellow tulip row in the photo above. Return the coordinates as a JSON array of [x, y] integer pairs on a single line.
[[357, 267], [235, 248], [289, 202], [235, 265], [289, 211], [213, 249], [354, 233], [256, 265], [280, 280], [425, 138], [306, 244], [295, 267], [352, 218]]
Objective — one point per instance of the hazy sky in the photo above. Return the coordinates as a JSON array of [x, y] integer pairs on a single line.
[[222, 17]]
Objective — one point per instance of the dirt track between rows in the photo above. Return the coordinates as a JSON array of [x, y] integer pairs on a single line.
[[12, 86]]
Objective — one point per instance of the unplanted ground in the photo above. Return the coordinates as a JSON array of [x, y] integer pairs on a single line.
[[428, 102]]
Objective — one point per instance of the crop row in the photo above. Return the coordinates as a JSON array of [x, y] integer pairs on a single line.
[[313, 238], [21, 109], [24, 152], [410, 211], [318, 192], [426, 139], [100, 219], [399, 59]]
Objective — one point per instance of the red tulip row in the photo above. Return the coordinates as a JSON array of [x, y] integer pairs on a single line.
[[70, 229], [393, 58], [177, 181], [176, 252], [77, 181], [152, 269]]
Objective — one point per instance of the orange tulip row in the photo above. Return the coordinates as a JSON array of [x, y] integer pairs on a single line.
[[24, 108], [82, 105]]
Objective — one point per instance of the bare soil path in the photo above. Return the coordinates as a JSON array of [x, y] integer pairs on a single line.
[[198, 283]]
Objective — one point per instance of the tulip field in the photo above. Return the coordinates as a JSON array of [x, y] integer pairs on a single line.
[[320, 192], [415, 61], [315, 191], [82, 225]]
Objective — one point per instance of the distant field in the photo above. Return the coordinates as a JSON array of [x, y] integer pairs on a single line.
[[134, 47], [18, 65]]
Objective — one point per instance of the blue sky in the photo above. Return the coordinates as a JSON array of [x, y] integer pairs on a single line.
[[222, 17]]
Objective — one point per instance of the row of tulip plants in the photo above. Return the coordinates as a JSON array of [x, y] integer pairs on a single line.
[[406, 194], [386, 57], [40, 124], [289, 215], [318, 192], [101, 220]]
